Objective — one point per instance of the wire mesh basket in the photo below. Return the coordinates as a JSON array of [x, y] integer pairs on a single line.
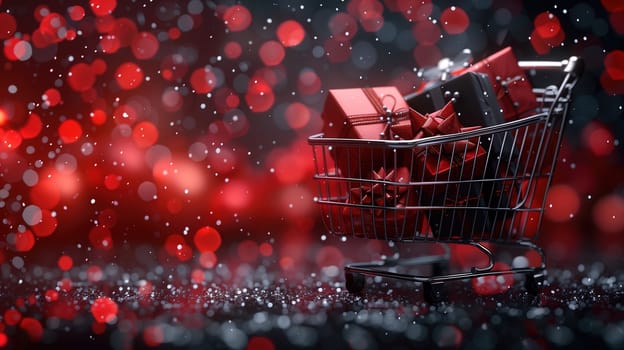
[[479, 193]]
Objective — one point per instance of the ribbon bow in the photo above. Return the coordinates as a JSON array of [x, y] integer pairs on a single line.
[[393, 129], [381, 193], [443, 122]]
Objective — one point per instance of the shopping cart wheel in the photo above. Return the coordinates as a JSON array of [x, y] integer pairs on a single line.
[[355, 282], [434, 292], [533, 283]]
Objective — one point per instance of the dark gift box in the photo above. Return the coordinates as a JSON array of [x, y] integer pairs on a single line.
[[382, 208], [378, 113], [513, 90], [447, 173]]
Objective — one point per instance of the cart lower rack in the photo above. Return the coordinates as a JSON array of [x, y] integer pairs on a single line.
[[502, 205]]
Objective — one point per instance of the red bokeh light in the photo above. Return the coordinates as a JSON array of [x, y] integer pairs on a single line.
[[614, 65], [129, 76], [232, 50], [563, 203], [145, 134], [608, 214], [102, 7], [81, 77], [24, 241], [426, 33], [31, 128], [8, 25], [98, 117], [297, 115], [12, 317], [101, 237], [427, 55], [613, 5], [454, 20], [271, 53], [342, 26], [237, 18], [176, 246], [415, 10], [33, 328], [203, 80], [598, 139], [260, 343], [125, 30], [290, 33], [47, 226], [52, 96], [76, 12], [65, 263], [259, 96], [70, 131], [336, 51], [104, 310], [153, 335], [144, 45]]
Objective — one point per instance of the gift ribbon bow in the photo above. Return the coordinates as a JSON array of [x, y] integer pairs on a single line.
[[383, 115], [382, 194], [443, 122]]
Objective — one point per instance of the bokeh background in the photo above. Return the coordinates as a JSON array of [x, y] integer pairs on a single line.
[[177, 130]]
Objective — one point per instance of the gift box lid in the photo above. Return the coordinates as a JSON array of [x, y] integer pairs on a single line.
[[343, 105]]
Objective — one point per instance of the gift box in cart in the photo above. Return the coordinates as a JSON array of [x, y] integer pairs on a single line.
[[399, 207]]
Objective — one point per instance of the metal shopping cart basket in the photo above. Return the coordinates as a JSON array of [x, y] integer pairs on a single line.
[[501, 206]]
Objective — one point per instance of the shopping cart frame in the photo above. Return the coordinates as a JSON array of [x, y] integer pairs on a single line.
[[554, 100]]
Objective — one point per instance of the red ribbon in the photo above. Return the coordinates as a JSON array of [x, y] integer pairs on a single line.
[[383, 114]]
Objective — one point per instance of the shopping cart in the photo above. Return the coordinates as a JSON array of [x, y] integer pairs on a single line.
[[501, 206]]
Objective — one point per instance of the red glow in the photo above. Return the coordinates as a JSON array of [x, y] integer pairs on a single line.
[[45, 194], [308, 82], [454, 20], [237, 18], [260, 96], [33, 328], [145, 134], [105, 24], [9, 47], [613, 5], [101, 238], [290, 33], [70, 131], [109, 44], [342, 26], [236, 195], [51, 295], [52, 96], [102, 7], [329, 256], [129, 76], [565, 203], [104, 310], [153, 336], [272, 53], [12, 317], [47, 226], [203, 80], [197, 276], [176, 246], [427, 55], [112, 181], [336, 51], [98, 117], [10, 140], [53, 28], [265, 249], [207, 239], [426, 33], [297, 115], [7, 25], [232, 50], [125, 30], [174, 33], [81, 77], [24, 241], [3, 117], [617, 21], [144, 46], [65, 263], [94, 273], [547, 25], [32, 128], [76, 12], [3, 340], [415, 10], [598, 139], [247, 251], [171, 100], [260, 343], [608, 214], [208, 259], [614, 65]]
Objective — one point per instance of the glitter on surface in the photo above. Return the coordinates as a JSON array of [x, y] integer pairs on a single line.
[[156, 186]]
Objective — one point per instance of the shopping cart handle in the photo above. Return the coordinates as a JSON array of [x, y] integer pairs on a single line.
[[575, 66]]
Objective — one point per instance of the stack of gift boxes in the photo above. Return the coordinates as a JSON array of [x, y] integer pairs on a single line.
[[382, 181]]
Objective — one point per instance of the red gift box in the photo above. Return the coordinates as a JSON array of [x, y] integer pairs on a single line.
[[383, 210], [458, 160], [378, 113], [513, 90]]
